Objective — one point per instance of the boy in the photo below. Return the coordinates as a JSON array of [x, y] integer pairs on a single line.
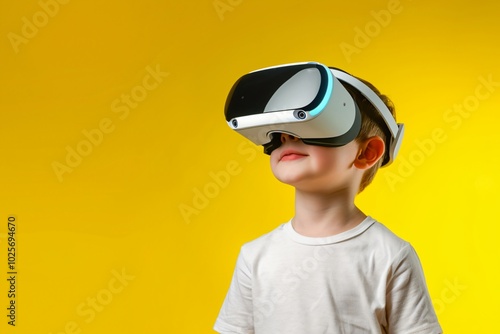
[[331, 268]]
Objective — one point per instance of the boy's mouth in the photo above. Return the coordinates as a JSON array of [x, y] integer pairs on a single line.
[[289, 155]]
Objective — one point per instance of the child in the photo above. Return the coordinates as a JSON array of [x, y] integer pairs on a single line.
[[331, 268]]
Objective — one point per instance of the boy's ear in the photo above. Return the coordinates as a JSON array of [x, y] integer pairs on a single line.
[[370, 151]]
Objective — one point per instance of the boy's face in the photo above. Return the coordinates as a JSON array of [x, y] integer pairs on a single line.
[[315, 168]]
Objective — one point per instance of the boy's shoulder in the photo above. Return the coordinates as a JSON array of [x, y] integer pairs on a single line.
[[381, 233], [265, 239], [385, 242]]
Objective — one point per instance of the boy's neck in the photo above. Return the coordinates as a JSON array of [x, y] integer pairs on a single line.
[[320, 215]]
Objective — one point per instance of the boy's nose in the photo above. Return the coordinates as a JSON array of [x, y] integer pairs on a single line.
[[286, 137]]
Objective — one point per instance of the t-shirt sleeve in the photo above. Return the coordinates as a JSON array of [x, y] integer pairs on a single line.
[[409, 307], [236, 314]]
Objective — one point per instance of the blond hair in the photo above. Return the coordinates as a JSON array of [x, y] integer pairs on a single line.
[[372, 124]]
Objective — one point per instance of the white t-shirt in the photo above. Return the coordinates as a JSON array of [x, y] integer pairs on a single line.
[[364, 280]]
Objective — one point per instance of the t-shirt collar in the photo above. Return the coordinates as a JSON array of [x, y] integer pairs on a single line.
[[313, 241]]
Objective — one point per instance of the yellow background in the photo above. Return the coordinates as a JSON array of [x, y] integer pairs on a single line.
[[166, 196]]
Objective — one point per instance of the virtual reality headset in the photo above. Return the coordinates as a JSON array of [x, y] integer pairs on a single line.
[[306, 100]]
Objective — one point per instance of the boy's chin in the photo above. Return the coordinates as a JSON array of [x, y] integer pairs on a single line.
[[301, 184], [291, 178], [322, 188]]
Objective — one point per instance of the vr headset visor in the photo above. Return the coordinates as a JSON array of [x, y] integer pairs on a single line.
[[305, 100]]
